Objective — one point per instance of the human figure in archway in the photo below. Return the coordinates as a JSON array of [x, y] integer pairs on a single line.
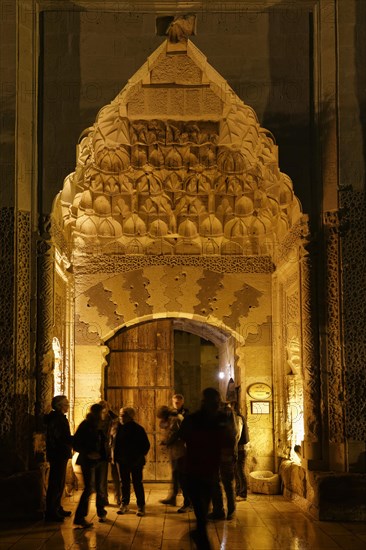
[[59, 450], [89, 442], [209, 440], [170, 422], [110, 420], [171, 500], [130, 447]]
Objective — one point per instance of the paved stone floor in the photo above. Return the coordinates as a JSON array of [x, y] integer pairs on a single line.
[[261, 523]]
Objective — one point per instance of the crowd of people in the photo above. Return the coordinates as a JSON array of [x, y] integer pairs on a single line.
[[206, 451]]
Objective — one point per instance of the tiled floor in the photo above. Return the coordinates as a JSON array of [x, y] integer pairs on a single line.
[[261, 523]]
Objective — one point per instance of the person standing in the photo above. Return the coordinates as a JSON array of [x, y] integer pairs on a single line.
[[58, 450], [109, 419], [240, 477], [209, 440], [226, 471], [171, 499], [89, 441], [130, 446], [178, 404], [170, 422]]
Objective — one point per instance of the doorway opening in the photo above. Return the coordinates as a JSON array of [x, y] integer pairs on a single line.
[[196, 366], [149, 362]]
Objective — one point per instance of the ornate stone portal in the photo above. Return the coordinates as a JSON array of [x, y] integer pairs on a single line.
[[178, 208], [177, 165]]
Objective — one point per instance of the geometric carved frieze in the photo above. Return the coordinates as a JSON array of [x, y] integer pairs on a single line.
[[121, 264]]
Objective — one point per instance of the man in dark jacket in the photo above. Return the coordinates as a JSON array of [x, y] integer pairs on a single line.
[[89, 442], [210, 442], [130, 446], [58, 449], [109, 420], [171, 499]]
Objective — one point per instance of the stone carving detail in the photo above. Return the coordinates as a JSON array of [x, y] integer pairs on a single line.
[[116, 264], [7, 224], [181, 28], [176, 170], [352, 244], [293, 355], [334, 355], [45, 311], [23, 352], [310, 359]]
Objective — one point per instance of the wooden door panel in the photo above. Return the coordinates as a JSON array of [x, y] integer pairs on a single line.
[[146, 409], [147, 336], [125, 340], [164, 370], [164, 335], [147, 365], [140, 375], [123, 369]]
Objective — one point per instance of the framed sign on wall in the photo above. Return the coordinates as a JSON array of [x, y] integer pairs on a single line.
[[259, 407], [259, 391]]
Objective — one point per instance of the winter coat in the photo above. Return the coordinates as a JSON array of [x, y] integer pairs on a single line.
[[210, 442], [58, 436], [175, 445], [88, 439], [130, 444]]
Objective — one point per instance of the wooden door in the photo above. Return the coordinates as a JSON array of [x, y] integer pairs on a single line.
[[140, 375]]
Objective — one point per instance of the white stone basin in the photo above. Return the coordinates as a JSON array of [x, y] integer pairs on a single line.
[[264, 481]]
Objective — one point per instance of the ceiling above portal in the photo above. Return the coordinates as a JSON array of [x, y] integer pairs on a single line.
[[177, 164]]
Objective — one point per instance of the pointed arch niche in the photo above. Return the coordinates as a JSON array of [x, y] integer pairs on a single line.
[[177, 208]]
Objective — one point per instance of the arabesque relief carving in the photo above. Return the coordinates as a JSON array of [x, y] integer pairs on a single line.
[[23, 354], [45, 263], [176, 164], [7, 223], [310, 356], [334, 354]]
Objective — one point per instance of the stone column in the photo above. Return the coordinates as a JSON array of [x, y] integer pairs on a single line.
[[22, 409], [335, 370], [45, 314], [312, 445]]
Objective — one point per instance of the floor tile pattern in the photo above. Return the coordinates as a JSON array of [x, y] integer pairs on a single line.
[[261, 523]]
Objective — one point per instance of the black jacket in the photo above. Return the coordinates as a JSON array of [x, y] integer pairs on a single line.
[[130, 444], [58, 436], [88, 439]]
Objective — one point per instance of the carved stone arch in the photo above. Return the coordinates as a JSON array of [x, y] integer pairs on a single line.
[[213, 329]]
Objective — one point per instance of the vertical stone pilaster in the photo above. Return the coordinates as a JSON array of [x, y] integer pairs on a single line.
[[310, 364], [7, 307], [336, 389], [352, 242], [45, 281], [16, 385], [23, 380]]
